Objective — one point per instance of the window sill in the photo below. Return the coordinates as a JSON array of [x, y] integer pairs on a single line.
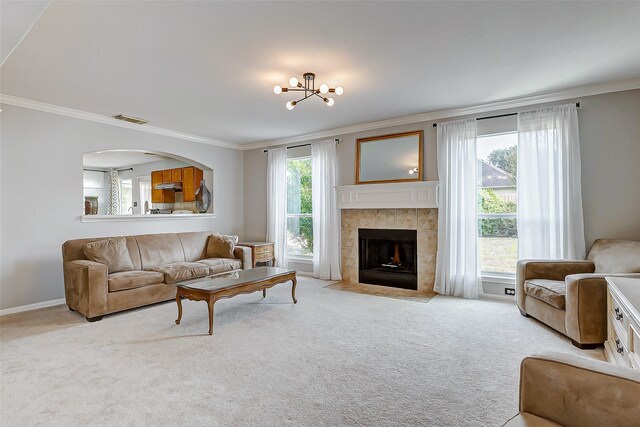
[[154, 217], [301, 260]]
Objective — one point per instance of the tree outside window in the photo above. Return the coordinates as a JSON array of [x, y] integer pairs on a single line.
[[497, 204], [299, 208]]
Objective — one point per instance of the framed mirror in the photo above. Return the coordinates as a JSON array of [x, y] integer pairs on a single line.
[[395, 157]]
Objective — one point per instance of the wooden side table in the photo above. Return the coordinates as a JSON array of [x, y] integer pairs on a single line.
[[261, 252]]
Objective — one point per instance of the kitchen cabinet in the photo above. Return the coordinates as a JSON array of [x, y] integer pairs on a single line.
[[161, 196], [191, 178], [156, 195], [172, 175]]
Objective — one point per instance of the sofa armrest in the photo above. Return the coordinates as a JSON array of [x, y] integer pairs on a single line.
[[576, 391], [86, 287], [243, 253], [545, 269]]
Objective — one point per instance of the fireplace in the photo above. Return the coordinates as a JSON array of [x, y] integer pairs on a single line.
[[388, 257]]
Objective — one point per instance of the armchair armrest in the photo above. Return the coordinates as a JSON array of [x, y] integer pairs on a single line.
[[576, 391], [86, 287], [243, 253], [546, 269], [586, 306]]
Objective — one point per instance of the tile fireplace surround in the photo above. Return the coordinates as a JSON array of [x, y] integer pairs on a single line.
[[424, 220]]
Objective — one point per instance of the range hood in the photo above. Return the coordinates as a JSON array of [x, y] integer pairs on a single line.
[[174, 186]]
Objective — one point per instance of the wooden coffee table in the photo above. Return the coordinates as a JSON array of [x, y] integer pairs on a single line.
[[231, 284]]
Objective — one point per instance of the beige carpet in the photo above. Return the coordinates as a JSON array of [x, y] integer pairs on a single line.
[[336, 358]]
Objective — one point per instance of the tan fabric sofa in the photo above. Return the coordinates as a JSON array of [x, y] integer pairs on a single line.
[[563, 390], [159, 261], [571, 296]]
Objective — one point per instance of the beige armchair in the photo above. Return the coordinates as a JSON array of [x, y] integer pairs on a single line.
[[571, 296], [563, 390]]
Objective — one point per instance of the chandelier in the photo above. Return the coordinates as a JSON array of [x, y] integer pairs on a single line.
[[309, 89]]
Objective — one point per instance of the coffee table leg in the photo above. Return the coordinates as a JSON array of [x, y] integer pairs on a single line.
[[179, 302], [210, 304], [264, 293], [293, 290]]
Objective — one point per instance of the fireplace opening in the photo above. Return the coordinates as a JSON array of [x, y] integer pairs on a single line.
[[388, 258]]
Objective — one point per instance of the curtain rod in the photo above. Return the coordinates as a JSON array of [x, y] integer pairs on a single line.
[[501, 115], [336, 140], [98, 170]]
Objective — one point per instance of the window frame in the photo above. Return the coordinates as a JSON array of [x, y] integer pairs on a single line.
[[298, 257], [120, 181], [488, 276]]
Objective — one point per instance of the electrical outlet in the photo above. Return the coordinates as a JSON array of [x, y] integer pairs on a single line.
[[509, 291], [135, 204]]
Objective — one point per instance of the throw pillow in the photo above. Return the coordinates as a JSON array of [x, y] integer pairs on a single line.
[[112, 251], [220, 246]]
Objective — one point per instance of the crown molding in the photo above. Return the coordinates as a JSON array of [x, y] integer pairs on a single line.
[[107, 120], [576, 92]]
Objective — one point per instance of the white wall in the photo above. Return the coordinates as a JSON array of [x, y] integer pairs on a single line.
[[610, 145], [41, 185]]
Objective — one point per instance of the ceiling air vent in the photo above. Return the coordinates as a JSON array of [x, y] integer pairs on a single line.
[[131, 119]]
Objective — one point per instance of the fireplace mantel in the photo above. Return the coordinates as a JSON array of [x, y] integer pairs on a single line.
[[420, 194]]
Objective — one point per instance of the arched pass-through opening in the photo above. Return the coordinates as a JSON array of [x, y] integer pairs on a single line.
[[131, 183]]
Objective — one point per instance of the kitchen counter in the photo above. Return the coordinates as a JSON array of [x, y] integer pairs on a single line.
[[150, 217]]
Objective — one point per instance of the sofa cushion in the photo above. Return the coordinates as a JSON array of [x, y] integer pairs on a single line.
[[179, 271], [194, 245], [220, 246], [112, 251], [220, 265], [615, 256], [159, 249], [133, 279], [550, 291]]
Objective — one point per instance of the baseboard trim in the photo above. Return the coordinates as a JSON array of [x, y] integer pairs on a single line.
[[304, 273], [30, 307], [509, 298]]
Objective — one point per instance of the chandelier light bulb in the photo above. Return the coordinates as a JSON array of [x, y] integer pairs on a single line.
[[339, 90], [411, 172], [277, 90], [293, 82], [290, 105], [330, 102], [324, 88]]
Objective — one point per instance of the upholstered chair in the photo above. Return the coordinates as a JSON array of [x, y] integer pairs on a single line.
[[571, 296], [564, 390]]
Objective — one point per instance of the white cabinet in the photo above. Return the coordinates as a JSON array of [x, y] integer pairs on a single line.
[[623, 322]]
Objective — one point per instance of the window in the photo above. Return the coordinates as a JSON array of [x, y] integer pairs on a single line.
[[144, 184], [299, 213], [497, 204], [126, 197]]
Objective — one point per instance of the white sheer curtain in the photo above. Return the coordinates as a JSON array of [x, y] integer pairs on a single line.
[[457, 266], [144, 185], [550, 221], [277, 203], [326, 218]]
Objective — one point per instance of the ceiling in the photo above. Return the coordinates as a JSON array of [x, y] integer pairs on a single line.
[[208, 68], [16, 18], [119, 159]]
